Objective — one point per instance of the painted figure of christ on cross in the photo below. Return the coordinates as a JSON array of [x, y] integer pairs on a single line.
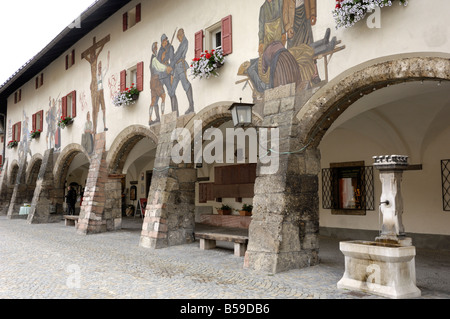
[[91, 55]]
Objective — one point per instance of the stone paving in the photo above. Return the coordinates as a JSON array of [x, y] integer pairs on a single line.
[[51, 261]]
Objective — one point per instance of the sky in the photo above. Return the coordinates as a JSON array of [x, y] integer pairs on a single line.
[[27, 26]]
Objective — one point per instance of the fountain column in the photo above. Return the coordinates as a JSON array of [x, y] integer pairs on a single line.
[[391, 169]]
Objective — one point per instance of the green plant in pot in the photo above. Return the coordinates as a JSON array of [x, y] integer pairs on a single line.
[[246, 210], [224, 210]]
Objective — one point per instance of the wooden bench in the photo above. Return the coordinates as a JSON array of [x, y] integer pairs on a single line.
[[208, 241], [71, 220]]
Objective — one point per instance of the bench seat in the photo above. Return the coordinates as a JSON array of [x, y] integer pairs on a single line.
[[71, 220], [208, 241]]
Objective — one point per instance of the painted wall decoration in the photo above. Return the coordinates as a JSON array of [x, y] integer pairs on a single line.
[[91, 55], [53, 136], [287, 51], [168, 68], [24, 144], [87, 138]]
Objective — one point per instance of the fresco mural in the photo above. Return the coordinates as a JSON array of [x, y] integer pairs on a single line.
[[168, 68], [51, 117], [91, 55], [287, 52], [24, 144]]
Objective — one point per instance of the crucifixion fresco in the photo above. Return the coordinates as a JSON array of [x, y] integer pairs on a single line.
[[97, 78]]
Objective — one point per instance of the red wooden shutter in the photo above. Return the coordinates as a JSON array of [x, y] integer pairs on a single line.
[[64, 106], [140, 76], [123, 80], [42, 78], [67, 62], [138, 13], [198, 43], [37, 83], [1, 160], [19, 130], [20, 95], [34, 122], [227, 39], [74, 104], [125, 21], [41, 120], [73, 56]]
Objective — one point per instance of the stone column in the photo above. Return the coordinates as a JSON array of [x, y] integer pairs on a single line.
[[284, 230], [92, 218], [113, 204], [19, 192], [4, 202], [170, 211], [43, 206], [391, 169]]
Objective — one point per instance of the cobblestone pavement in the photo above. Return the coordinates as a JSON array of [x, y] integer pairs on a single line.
[[52, 261]]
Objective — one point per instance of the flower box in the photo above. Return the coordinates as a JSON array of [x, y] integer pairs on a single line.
[[64, 121], [35, 133], [208, 64], [12, 144], [127, 97], [348, 12]]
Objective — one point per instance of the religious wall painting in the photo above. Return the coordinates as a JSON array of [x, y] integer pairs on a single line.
[[168, 67], [287, 51], [98, 75]]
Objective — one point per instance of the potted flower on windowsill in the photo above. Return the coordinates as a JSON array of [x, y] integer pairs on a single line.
[[35, 133], [348, 12], [224, 210], [127, 97], [12, 144], [64, 121], [246, 210], [207, 64]]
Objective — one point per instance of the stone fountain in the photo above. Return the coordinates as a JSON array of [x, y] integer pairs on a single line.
[[386, 266]]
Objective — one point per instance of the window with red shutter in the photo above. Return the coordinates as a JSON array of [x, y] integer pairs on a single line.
[[33, 120], [130, 18], [227, 43]]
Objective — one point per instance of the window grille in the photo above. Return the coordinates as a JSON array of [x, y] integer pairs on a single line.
[[445, 174]]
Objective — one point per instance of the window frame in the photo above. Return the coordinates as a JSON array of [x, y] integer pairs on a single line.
[[126, 25], [70, 59], [331, 188], [35, 116], [65, 100], [16, 136]]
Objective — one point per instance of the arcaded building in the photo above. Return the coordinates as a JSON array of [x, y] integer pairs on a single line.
[[327, 94]]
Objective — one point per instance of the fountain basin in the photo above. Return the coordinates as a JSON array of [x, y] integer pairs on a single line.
[[380, 268]]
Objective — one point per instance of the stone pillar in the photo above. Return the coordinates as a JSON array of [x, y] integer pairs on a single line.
[[391, 202], [92, 214], [4, 202], [113, 204], [170, 211], [284, 230], [18, 196], [43, 206]]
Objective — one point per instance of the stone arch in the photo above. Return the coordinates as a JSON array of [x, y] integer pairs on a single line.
[[216, 114], [64, 160], [325, 106], [33, 169], [124, 143], [13, 170]]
